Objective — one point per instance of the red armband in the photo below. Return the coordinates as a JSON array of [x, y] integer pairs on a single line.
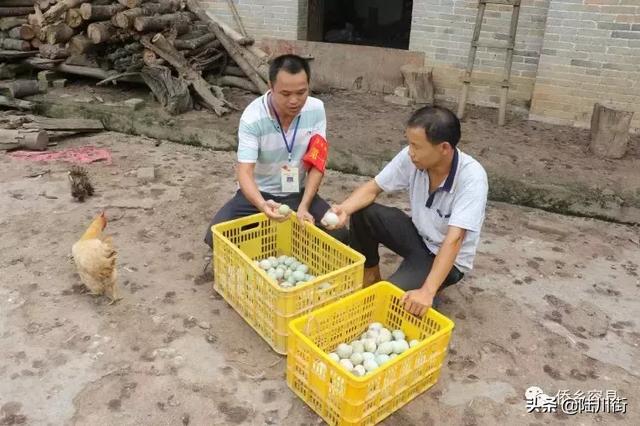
[[317, 153]]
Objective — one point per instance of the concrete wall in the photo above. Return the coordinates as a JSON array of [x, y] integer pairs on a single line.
[[346, 66], [591, 53]]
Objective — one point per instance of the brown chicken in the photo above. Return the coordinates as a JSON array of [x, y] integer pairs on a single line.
[[95, 259]]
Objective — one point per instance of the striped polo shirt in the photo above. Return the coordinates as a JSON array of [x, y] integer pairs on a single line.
[[260, 141]]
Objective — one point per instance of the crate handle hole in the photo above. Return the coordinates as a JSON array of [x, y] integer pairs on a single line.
[[249, 227]]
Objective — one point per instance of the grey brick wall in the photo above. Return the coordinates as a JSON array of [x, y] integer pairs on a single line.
[[286, 19], [591, 53], [443, 30], [569, 54]]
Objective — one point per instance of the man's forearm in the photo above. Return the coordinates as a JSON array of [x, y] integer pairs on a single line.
[[442, 265], [250, 190], [314, 179], [361, 197]]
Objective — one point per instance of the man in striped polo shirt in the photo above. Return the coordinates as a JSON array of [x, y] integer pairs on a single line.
[[273, 137]]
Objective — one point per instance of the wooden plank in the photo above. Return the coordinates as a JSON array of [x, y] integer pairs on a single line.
[[75, 124], [16, 103], [505, 2], [491, 44], [15, 11], [13, 54]]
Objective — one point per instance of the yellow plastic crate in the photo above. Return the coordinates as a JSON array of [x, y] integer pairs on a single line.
[[263, 304], [342, 398]]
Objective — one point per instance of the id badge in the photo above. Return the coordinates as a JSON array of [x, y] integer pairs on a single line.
[[290, 179]]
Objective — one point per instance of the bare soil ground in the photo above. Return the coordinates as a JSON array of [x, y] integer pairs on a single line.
[[553, 300]]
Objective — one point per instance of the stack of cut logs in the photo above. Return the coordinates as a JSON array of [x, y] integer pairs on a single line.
[[171, 45], [37, 133]]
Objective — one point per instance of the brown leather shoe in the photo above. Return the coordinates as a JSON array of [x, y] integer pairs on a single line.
[[371, 276]]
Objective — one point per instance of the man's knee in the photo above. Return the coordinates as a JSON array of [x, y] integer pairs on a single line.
[[366, 214], [341, 235], [223, 215]]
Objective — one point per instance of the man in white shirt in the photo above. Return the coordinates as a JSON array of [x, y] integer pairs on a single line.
[[448, 194], [274, 135]]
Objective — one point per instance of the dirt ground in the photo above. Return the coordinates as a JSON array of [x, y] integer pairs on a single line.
[[553, 302], [365, 132]]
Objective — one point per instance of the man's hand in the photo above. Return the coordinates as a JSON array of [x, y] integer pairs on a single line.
[[417, 301], [304, 215], [270, 208], [343, 218]]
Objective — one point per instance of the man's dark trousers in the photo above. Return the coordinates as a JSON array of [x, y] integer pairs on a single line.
[[378, 224]]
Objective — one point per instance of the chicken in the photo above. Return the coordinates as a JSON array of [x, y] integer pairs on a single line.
[[95, 259], [80, 185]]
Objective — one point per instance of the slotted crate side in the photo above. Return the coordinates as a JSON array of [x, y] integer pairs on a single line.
[[341, 398], [267, 307]]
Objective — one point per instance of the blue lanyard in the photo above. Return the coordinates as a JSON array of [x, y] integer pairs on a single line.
[[284, 137]]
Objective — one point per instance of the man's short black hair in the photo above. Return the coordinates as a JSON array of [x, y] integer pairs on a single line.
[[439, 124], [292, 64]]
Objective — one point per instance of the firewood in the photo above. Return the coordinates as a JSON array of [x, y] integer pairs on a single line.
[[233, 71], [82, 61], [232, 48], [15, 11], [9, 71], [44, 4], [419, 80], [92, 72], [56, 11], [233, 34], [69, 124], [35, 20], [23, 32], [53, 51], [74, 18], [91, 12], [159, 23], [18, 2], [20, 88], [100, 32], [162, 47], [36, 43], [609, 132], [13, 44], [79, 44], [234, 81], [11, 22], [124, 51], [129, 63], [172, 93], [132, 3], [126, 18], [16, 103], [193, 43], [32, 139], [57, 33], [207, 61], [150, 58]]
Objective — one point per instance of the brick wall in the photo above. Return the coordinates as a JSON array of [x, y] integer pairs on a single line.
[[591, 53], [568, 55], [286, 19], [443, 30]]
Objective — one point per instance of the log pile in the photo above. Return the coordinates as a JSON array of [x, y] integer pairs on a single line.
[[174, 46], [37, 133]]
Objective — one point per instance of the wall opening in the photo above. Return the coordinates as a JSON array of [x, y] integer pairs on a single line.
[[382, 23]]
